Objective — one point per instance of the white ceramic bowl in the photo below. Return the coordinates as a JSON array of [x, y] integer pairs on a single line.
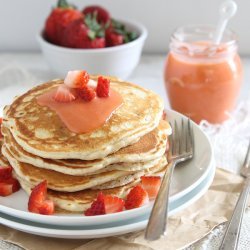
[[119, 61]]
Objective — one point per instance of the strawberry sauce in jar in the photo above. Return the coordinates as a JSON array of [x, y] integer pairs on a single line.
[[203, 79]]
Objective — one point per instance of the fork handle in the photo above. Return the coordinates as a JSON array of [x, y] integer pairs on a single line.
[[157, 221], [231, 237]]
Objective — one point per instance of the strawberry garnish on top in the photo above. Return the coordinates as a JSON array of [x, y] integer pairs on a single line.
[[105, 204], [151, 184], [103, 86], [59, 19], [38, 202], [102, 15], [86, 93], [64, 94], [76, 79], [137, 197]]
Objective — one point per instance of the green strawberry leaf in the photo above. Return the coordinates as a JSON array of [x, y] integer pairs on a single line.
[[63, 4], [91, 34], [95, 29]]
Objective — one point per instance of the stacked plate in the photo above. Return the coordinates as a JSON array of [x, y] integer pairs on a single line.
[[190, 181]]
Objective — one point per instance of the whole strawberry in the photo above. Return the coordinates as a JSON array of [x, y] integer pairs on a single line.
[[103, 16], [58, 20], [86, 33], [113, 38]]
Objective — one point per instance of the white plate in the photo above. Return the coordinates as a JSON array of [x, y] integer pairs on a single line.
[[87, 232], [184, 180]]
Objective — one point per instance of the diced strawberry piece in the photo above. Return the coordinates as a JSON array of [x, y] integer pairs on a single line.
[[64, 94], [113, 204], [97, 207], [137, 197], [9, 186], [86, 93], [38, 202], [47, 207], [76, 79], [151, 184], [5, 173], [103, 86]]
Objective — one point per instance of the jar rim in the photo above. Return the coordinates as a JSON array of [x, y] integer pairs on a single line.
[[198, 40], [202, 29]]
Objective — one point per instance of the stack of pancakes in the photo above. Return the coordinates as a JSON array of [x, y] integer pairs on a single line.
[[111, 159]]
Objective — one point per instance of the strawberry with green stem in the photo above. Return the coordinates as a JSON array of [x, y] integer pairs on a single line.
[[59, 18]]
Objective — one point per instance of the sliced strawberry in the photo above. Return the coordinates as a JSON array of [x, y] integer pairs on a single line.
[[76, 79], [86, 93], [37, 197], [137, 197], [47, 207], [103, 85], [113, 204], [5, 189], [64, 94], [151, 184], [38, 202], [97, 207], [9, 186], [5, 173]]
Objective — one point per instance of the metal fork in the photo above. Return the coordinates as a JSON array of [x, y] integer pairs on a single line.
[[181, 149], [231, 238]]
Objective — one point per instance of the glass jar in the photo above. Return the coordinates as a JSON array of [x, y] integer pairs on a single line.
[[203, 79]]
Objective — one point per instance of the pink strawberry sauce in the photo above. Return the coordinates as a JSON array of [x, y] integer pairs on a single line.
[[80, 116]]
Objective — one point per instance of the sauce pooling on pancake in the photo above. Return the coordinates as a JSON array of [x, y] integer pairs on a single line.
[[80, 116]]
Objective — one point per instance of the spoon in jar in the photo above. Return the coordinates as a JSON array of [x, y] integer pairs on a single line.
[[227, 11]]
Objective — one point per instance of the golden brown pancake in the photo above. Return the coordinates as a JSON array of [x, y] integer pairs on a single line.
[[41, 132], [149, 147], [63, 182]]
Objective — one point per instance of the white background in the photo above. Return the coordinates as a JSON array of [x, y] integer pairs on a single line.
[[21, 20]]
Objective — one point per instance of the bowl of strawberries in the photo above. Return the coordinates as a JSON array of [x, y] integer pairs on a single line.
[[91, 39]]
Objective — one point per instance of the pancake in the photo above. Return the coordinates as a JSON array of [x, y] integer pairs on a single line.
[[3, 161], [78, 201], [62, 182], [130, 178], [139, 114], [150, 147], [81, 200]]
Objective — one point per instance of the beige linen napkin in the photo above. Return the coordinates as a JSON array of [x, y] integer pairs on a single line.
[[184, 227]]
